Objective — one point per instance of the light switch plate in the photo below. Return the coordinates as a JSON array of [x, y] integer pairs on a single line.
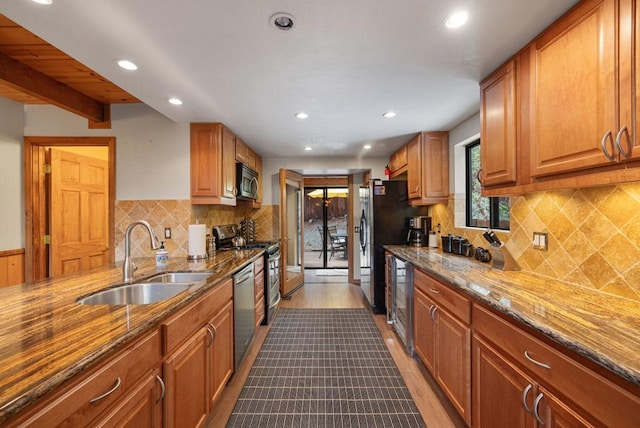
[[167, 233], [540, 241]]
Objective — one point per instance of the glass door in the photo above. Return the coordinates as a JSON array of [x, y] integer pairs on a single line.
[[326, 229]]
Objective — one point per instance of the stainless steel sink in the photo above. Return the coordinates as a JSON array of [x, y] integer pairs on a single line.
[[173, 277], [136, 294]]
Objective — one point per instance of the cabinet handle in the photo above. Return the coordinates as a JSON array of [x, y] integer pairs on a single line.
[[109, 392], [478, 177], [163, 388], [434, 291], [210, 335], [215, 331], [524, 397], [603, 145], [625, 131], [537, 363], [432, 313], [536, 405], [417, 189]]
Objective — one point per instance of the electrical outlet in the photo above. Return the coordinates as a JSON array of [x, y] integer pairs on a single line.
[[167, 233], [540, 241]]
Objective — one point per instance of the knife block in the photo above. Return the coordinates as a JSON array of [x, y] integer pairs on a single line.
[[502, 259]]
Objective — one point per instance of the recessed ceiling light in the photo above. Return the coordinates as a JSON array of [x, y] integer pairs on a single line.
[[457, 19], [367, 146], [175, 101], [307, 149], [302, 115], [389, 114], [46, 2], [282, 21], [127, 65]]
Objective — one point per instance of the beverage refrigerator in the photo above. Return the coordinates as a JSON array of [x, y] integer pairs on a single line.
[[383, 221]]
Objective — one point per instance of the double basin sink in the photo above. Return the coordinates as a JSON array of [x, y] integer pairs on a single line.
[[151, 290]]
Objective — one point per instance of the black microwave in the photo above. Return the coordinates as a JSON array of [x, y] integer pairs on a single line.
[[247, 182]]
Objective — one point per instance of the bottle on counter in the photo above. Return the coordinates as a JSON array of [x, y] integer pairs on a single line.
[[162, 256]]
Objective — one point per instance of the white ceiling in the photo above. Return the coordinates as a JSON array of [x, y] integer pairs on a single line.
[[344, 63]]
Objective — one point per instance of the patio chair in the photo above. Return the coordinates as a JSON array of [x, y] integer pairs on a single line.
[[337, 243]]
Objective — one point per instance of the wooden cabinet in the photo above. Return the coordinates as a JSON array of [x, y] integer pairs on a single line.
[[128, 381], [442, 338], [244, 154], [398, 162], [198, 343], [258, 271], [213, 164], [428, 168], [532, 380], [499, 126]]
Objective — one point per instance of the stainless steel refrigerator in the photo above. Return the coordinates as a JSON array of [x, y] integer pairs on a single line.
[[383, 221]]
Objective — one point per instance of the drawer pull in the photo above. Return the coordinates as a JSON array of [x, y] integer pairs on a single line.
[[215, 331], [163, 388], [211, 335], [109, 392], [524, 397], [434, 291], [536, 406], [537, 363], [432, 313]]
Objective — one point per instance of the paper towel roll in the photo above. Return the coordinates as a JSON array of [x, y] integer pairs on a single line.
[[197, 241]]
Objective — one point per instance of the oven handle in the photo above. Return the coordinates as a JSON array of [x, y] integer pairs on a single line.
[[277, 302], [274, 259]]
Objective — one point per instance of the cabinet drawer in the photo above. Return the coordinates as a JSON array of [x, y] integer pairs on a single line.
[[259, 311], [72, 406], [606, 401], [182, 325], [443, 295], [259, 285], [258, 265]]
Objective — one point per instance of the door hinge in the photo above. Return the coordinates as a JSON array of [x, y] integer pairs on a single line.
[[46, 239], [46, 168]]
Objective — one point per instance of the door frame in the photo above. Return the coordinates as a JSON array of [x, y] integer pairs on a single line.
[[36, 205]]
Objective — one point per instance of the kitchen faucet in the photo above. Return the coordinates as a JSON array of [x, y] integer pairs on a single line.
[[129, 268]]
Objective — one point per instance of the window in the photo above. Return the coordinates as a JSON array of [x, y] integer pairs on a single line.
[[482, 211]]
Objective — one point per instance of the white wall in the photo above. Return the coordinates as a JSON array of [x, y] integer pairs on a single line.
[[461, 133], [11, 175], [152, 152]]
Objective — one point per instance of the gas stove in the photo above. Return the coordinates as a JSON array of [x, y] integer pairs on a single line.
[[224, 234]]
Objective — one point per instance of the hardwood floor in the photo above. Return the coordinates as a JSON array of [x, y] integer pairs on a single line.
[[334, 292]]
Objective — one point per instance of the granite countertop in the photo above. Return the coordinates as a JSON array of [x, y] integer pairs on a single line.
[[46, 337], [601, 327]]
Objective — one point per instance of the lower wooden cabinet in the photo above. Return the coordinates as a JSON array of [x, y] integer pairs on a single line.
[[221, 361], [442, 341]]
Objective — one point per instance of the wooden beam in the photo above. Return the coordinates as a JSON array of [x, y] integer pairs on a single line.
[[41, 86]]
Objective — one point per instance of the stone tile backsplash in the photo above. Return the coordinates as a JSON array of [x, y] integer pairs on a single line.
[[594, 235]]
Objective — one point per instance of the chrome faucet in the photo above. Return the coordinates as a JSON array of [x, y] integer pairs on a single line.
[[129, 268]]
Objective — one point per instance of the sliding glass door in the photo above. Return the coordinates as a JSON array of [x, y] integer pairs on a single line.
[[325, 221]]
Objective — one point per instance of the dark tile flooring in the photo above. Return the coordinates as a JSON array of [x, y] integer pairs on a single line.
[[324, 368]]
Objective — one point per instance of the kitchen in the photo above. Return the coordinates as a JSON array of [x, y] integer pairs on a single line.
[[155, 175]]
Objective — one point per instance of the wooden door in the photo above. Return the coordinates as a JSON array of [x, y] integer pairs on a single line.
[[185, 373], [453, 361], [556, 414], [79, 223], [498, 117], [229, 190], [435, 166], [574, 101], [291, 231], [414, 167], [424, 329], [500, 391], [221, 361]]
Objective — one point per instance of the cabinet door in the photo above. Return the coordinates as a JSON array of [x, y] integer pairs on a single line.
[[414, 168], [141, 408], [500, 390], [205, 160], [259, 171], [221, 362], [435, 166], [498, 131], [228, 164], [556, 414], [186, 374], [573, 75], [453, 360], [424, 329]]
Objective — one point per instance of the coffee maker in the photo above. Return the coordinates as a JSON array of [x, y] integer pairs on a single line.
[[419, 227]]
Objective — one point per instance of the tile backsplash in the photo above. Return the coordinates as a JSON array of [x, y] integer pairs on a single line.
[[178, 215], [593, 234]]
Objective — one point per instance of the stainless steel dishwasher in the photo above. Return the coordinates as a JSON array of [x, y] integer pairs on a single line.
[[243, 310]]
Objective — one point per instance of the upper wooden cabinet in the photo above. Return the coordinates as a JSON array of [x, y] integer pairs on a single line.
[[398, 162], [428, 168], [213, 164], [498, 119], [244, 154]]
